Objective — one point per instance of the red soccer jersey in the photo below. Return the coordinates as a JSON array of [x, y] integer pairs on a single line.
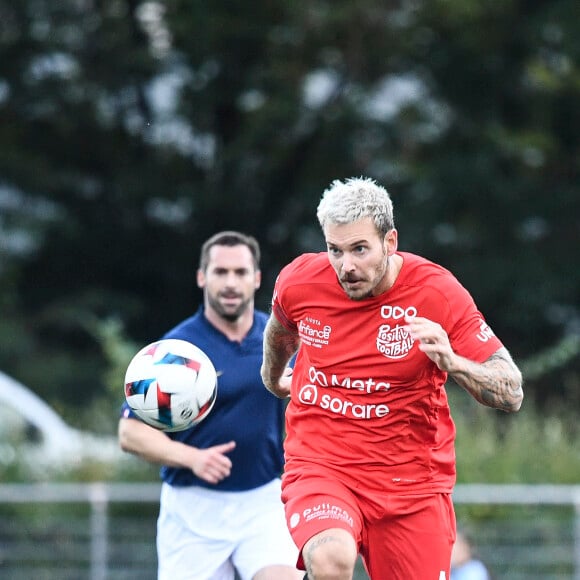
[[365, 401]]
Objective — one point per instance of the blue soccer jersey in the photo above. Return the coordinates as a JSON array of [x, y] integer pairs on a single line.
[[244, 411]]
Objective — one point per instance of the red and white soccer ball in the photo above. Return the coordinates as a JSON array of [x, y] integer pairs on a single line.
[[171, 385]]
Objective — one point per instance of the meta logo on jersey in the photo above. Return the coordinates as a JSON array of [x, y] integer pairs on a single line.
[[368, 385], [392, 340]]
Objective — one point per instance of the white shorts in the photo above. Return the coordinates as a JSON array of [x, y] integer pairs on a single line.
[[204, 534]]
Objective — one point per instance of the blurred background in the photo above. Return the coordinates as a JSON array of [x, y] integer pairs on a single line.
[[130, 131]]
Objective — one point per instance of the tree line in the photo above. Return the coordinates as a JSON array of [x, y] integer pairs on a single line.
[[132, 130]]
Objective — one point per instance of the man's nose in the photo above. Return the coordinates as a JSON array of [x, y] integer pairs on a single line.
[[347, 263], [231, 279]]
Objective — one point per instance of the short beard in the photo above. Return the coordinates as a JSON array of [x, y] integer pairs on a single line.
[[361, 297], [229, 316], [369, 294]]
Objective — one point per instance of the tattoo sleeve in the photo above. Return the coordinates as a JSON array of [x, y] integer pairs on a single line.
[[279, 347], [496, 383]]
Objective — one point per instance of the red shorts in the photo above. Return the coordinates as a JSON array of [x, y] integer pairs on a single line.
[[399, 536]]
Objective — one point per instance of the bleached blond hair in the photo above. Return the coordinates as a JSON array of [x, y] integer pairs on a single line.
[[345, 202]]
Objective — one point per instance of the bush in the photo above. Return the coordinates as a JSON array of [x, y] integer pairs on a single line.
[[525, 447]]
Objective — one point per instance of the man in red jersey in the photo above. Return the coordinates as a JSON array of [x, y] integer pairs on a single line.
[[370, 460]]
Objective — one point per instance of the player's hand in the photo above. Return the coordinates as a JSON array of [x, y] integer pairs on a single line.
[[281, 389], [212, 464], [433, 341], [285, 383]]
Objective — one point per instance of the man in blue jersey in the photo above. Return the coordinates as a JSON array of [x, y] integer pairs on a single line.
[[220, 508]]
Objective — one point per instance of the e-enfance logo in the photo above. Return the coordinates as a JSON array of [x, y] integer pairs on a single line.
[[313, 333]]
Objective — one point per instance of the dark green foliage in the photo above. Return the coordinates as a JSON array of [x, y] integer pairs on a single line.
[[130, 131]]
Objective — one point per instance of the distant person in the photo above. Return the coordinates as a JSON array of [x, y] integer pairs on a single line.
[[220, 508], [370, 459], [464, 565]]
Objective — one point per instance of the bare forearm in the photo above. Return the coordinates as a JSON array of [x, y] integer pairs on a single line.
[[210, 464], [279, 347], [496, 383], [153, 445]]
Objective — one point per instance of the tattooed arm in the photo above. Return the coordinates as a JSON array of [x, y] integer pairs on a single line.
[[496, 383], [279, 347]]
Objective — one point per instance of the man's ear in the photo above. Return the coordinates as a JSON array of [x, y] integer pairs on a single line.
[[391, 241], [201, 279]]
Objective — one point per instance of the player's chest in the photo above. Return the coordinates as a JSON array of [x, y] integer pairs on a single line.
[[362, 337]]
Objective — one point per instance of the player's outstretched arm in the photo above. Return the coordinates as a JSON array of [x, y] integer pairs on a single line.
[[496, 383], [279, 346], [142, 440], [211, 464]]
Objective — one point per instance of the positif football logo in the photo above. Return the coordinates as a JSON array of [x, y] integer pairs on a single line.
[[394, 341]]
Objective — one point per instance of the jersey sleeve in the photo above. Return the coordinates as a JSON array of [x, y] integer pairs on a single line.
[[280, 304], [126, 412], [469, 333]]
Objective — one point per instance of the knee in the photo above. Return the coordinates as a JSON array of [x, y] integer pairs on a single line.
[[330, 555]]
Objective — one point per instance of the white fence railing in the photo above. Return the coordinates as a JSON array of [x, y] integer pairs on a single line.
[[564, 546], [106, 531]]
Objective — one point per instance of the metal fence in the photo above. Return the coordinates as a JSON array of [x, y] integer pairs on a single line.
[[106, 531]]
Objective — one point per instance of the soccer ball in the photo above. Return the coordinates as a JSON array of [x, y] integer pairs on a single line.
[[171, 385]]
